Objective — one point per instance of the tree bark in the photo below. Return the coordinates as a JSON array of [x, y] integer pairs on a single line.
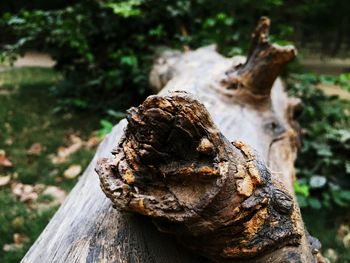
[[174, 163]]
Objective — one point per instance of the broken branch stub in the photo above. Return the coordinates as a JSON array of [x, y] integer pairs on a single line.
[[217, 197], [252, 81]]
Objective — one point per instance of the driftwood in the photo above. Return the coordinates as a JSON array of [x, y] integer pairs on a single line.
[[173, 161]]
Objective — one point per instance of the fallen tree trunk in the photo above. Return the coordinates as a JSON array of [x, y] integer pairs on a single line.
[[174, 163]]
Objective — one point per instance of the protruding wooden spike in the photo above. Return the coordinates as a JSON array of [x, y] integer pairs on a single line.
[[252, 81]]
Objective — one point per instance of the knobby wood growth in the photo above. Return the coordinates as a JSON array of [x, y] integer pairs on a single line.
[[210, 159]]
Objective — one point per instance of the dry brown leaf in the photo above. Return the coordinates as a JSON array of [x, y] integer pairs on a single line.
[[19, 238], [17, 189], [12, 247], [64, 152], [57, 193], [92, 142], [35, 149], [17, 222], [73, 171], [76, 143], [4, 180], [346, 241], [58, 196], [9, 141], [38, 188], [343, 230], [25, 192], [331, 254], [4, 161]]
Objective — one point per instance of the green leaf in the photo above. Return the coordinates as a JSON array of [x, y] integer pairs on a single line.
[[116, 114], [301, 189], [126, 8], [347, 167], [106, 128], [344, 134], [327, 80], [314, 203], [302, 201], [324, 150], [130, 60], [341, 197], [209, 22], [345, 195]]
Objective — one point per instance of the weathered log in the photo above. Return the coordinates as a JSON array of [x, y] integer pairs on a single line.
[[218, 198], [175, 163]]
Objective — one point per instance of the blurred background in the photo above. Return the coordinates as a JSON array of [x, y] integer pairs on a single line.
[[69, 69]]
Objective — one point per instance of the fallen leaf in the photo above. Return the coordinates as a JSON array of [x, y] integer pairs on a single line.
[[346, 241], [19, 238], [4, 161], [12, 247], [35, 149], [25, 192], [57, 193], [72, 171], [67, 116], [17, 222], [343, 230], [9, 141], [4, 180], [17, 189], [53, 173], [331, 254], [58, 196], [58, 180], [64, 152], [75, 139], [38, 188], [93, 141], [29, 197]]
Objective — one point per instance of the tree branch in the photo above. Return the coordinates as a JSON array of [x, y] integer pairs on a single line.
[[254, 79]]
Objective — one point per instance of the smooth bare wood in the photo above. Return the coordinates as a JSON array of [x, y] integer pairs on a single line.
[[87, 229]]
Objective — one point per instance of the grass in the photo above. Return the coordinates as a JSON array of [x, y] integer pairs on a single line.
[[27, 116]]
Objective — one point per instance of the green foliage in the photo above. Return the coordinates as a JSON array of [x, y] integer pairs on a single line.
[[343, 80], [104, 48], [106, 127], [125, 8], [323, 161]]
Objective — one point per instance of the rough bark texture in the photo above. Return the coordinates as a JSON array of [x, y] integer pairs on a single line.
[[218, 198], [174, 163]]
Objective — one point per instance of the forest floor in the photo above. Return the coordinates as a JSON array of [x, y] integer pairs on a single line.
[[42, 154]]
